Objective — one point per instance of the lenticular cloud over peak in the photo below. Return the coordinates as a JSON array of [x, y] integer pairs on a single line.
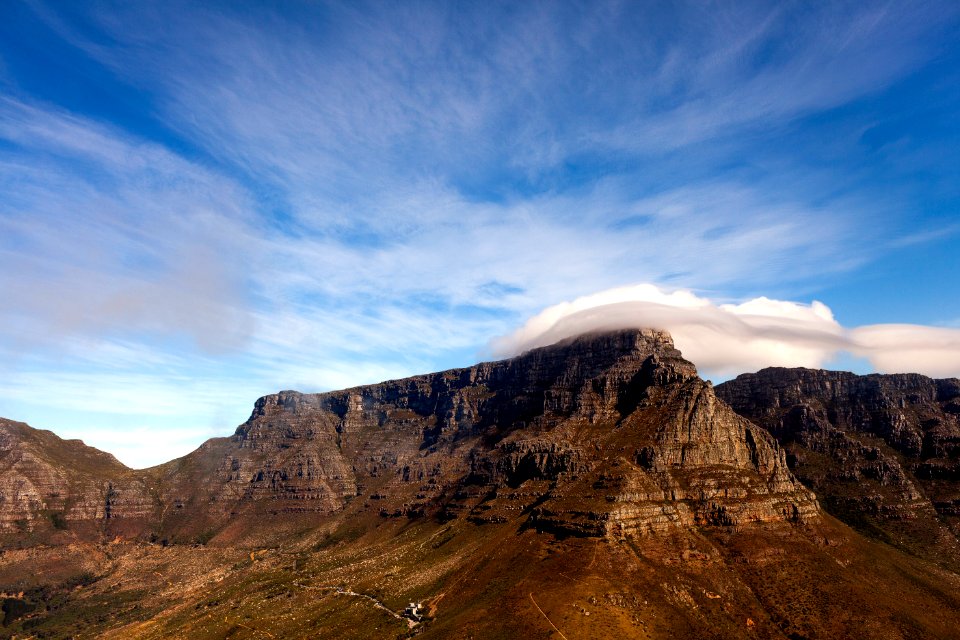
[[726, 339]]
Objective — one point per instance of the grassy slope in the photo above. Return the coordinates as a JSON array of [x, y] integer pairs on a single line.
[[493, 581]]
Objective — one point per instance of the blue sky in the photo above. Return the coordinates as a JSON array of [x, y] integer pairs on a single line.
[[202, 203]]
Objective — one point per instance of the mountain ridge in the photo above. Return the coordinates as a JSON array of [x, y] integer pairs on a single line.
[[435, 443], [594, 488], [882, 450]]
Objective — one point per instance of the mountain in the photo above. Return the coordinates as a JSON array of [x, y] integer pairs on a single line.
[[580, 426], [593, 488], [882, 452], [48, 484]]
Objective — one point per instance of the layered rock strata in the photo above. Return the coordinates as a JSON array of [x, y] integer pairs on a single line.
[[48, 482], [886, 447], [607, 434]]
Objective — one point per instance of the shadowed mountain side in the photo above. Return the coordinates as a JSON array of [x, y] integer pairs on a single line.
[[881, 451]]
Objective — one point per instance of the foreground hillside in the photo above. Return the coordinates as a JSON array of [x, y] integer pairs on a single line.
[[491, 581], [594, 488]]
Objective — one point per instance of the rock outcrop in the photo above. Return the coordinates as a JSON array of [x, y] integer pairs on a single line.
[[879, 450], [609, 434], [54, 484]]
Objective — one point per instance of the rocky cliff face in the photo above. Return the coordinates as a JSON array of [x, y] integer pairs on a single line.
[[328, 513], [879, 450], [609, 435], [50, 483]]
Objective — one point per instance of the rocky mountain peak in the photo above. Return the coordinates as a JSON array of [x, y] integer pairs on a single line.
[[605, 434], [46, 481], [577, 359], [599, 472], [594, 435]]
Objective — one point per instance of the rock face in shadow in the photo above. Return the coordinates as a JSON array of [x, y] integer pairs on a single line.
[[881, 451], [608, 434]]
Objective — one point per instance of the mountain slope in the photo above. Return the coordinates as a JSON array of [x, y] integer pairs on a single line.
[[50, 484], [881, 451], [594, 488], [599, 435]]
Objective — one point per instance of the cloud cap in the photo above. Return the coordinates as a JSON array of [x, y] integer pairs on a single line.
[[726, 339]]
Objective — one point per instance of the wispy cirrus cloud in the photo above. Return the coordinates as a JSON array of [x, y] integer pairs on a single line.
[[133, 263], [332, 194], [105, 232], [419, 90]]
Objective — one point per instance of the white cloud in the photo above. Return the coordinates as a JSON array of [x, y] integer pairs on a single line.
[[726, 339], [334, 204], [119, 258], [934, 351]]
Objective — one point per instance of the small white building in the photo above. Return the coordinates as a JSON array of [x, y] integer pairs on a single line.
[[414, 611]]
